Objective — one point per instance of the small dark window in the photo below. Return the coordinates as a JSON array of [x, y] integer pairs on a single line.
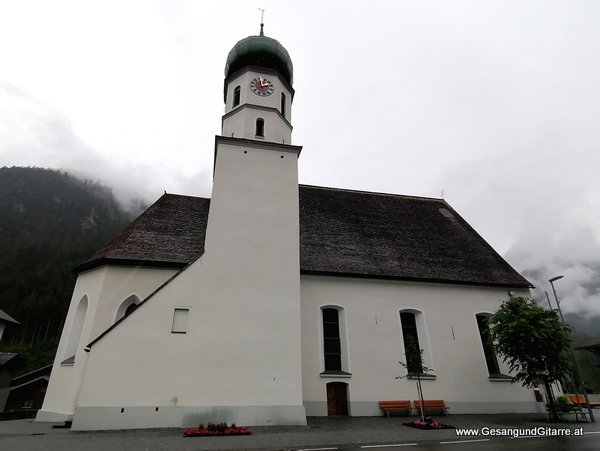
[[488, 345], [411, 342], [130, 309], [332, 348], [236, 96], [260, 127], [283, 104]]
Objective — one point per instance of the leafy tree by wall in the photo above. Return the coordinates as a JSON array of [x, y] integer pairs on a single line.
[[532, 340], [534, 343]]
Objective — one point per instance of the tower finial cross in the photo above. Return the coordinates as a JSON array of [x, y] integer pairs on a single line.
[[262, 16]]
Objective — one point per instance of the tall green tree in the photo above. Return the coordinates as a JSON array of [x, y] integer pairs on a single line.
[[533, 341]]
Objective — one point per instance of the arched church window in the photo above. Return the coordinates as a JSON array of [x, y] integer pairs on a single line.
[[335, 355], [332, 348], [127, 307], [76, 330], [414, 338], [236, 96], [260, 127], [488, 346], [130, 309], [283, 104], [411, 338]]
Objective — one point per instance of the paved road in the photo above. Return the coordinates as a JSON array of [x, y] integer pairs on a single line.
[[589, 442], [365, 434]]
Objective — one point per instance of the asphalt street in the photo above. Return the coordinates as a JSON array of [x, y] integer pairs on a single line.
[[321, 434]]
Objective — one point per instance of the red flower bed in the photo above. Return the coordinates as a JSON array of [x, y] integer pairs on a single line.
[[195, 432], [428, 424]]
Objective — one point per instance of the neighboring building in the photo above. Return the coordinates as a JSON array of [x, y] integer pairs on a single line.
[[10, 363], [27, 390], [272, 301], [594, 348], [5, 320]]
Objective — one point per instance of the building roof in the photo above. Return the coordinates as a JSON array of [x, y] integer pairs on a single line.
[[168, 234], [43, 372], [261, 51], [6, 318], [398, 237], [342, 232], [593, 347], [11, 361]]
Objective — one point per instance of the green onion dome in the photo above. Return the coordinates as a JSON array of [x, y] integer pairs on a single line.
[[260, 51]]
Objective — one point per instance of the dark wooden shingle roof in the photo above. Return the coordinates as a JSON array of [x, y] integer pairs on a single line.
[[342, 232], [170, 233], [397, 237]]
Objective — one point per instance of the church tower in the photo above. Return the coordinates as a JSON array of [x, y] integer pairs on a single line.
[[252, 256], [258, 91]]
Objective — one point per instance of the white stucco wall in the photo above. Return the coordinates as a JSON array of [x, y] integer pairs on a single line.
[[375, 345], [242, 124], [105, 288], [240, 360]]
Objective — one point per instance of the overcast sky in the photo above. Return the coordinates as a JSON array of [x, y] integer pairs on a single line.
[[494, 105]]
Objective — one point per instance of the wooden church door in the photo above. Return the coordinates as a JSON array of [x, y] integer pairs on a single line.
[[337, 399]]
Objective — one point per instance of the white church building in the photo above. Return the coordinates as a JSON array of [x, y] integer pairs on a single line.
[[273, 301]]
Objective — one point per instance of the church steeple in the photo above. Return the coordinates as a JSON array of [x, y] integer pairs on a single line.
[[262, 24], [258, 90], [252, 252]]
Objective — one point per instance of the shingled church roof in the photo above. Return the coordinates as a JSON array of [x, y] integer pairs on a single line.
[[342, 232]]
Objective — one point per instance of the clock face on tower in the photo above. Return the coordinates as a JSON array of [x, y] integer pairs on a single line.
[[261, 86]]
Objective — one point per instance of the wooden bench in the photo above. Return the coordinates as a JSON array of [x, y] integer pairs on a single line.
[[395, 406], [559, 412], [580, 399], [432, 405]]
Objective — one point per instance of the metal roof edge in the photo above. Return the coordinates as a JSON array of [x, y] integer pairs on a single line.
[[150, 296]]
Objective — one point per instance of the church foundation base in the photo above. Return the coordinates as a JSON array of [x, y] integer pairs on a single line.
[[147, 417], [371, 408], [46, 416]]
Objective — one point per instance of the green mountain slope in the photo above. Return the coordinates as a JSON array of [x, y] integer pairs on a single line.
[[50, 221]]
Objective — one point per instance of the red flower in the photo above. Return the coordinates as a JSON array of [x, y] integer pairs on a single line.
[[194, 432]]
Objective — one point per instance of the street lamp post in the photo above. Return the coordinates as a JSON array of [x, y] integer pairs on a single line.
[[575, 379], [554, 279]]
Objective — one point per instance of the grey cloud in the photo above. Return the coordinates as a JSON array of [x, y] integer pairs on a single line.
[[33, 134]]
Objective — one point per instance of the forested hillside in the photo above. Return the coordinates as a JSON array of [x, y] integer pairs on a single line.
[[50, 221]]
